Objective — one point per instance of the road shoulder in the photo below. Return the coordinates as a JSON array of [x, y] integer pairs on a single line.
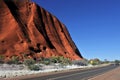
[[110, 75]]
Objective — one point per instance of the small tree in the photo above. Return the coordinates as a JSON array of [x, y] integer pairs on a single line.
[[95, 61]]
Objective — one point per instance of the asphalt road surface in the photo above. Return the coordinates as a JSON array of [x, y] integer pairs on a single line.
[[75, 75]]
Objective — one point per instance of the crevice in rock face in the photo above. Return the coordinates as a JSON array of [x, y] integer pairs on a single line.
[[35, 50], [2, 41], [13, 8], [62, 30], [21, 41], [56, 31], [65, 52], [44, 48], [31, 48], [38, 45], [41, 27]]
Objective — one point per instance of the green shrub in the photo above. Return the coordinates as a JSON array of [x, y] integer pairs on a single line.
[[29, 62], [60, 59], [83, 62], [45, 61], [55, 59], [34, 67], [2, 59], [13, 60], [66, 61]]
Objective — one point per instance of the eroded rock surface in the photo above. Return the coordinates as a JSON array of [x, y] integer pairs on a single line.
[[27, 30]]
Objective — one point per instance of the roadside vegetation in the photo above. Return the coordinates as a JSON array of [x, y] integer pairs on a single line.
[[55, 60], [36, 64], [95, 61], [83, 62], [1, 59], [117, 62]]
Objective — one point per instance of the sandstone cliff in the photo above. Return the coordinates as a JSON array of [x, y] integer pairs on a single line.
[[28, 30]]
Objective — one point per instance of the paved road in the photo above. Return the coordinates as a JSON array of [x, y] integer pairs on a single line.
[[75, 75]]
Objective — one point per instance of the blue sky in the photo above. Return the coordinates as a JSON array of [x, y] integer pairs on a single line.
[[94, 25]]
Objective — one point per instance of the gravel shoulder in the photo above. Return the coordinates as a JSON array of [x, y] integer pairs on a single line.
[[110, 75]]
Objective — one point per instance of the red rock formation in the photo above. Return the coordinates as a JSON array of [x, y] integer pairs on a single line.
[[28, 30]]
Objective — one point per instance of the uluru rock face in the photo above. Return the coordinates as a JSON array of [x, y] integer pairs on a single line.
[[28, 30]]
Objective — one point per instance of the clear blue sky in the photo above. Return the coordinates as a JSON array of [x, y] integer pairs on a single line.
[[94, 25]]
